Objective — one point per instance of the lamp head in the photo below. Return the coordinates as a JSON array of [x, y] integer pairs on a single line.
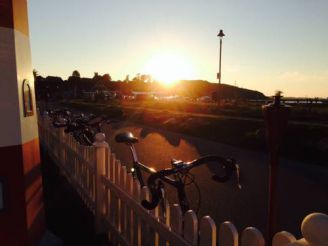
[[221, 34]]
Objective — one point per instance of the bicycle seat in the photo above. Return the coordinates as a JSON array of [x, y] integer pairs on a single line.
[[126, 137]]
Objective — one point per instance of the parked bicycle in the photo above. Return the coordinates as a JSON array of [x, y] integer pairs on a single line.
[[178, 176], [83, 127]]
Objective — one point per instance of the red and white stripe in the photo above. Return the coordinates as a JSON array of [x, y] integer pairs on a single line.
[[22, 220]]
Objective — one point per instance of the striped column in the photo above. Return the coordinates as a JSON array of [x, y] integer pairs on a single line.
[[21, 211]]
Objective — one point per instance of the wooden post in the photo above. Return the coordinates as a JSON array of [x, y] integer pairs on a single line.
[[100, 210], [276, 119]]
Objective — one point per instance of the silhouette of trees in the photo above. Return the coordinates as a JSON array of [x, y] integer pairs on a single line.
[[75, 86], [136, 78], [145, 78], [142, 78], [106, 77], [96, 76], [76, 74]]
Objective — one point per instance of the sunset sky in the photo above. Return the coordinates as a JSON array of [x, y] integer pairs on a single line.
[[269, 45]]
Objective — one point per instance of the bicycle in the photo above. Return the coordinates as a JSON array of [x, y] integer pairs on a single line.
[[176, 176], [82, 127], [85, 131]]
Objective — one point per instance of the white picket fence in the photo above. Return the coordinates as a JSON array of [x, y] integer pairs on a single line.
[[114, 196]]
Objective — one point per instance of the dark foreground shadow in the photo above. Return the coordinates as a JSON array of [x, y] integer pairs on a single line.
[[66, 215]]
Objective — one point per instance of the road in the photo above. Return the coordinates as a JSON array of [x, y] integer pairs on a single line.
[[302, 188]]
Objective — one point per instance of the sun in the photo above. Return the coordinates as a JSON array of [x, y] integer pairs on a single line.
[[168, 68]]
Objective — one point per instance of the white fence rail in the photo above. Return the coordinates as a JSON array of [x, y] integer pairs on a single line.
[[114, 197]]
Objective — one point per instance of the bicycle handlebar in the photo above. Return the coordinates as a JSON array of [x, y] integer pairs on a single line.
[[154, 190], [228, 164]]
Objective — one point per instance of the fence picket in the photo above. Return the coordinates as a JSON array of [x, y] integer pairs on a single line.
[[118, 202], [252, 237], [207, 234], [136, 219], [100, 207], [283, 238], [129, 212], [79, 166], [107, 160], [123, 177], [136, 190], [61, 146], [108, 170], [314, 229], [91, 174], [154, 236], [129, 184], [145, 230], [85, 173], [190, 228], [112, 195], [176, 219], [112, 167], [115, 199], [117, 172], [228, 234], [123, 213], [165, 219]]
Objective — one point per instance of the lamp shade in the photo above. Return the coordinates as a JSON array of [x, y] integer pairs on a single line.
[[221, 34]]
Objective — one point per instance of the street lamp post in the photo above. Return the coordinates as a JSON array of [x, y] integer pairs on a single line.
[[219, 75]]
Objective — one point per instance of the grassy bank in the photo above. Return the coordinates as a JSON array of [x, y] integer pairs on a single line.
[[305, 113], [302, 142]]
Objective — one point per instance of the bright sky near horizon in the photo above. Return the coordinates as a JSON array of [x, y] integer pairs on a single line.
[[269, 45]]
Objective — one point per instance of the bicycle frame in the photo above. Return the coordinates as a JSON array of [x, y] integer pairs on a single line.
[[174, 176], [138, 167], [176, 183]]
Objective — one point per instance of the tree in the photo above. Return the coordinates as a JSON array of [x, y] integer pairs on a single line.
[[136, 78], [96, 76], [142, 78], [76, 74], [106, 77], [75, 79], [145, 78]]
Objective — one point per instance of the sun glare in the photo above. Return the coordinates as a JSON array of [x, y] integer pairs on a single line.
[[168, 68]]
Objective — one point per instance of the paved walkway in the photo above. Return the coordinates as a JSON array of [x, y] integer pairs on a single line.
[[303, 188]]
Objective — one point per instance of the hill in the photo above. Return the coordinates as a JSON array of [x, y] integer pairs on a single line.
[[74, 86]]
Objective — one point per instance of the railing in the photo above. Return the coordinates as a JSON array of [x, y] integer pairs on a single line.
[[114, 196]]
